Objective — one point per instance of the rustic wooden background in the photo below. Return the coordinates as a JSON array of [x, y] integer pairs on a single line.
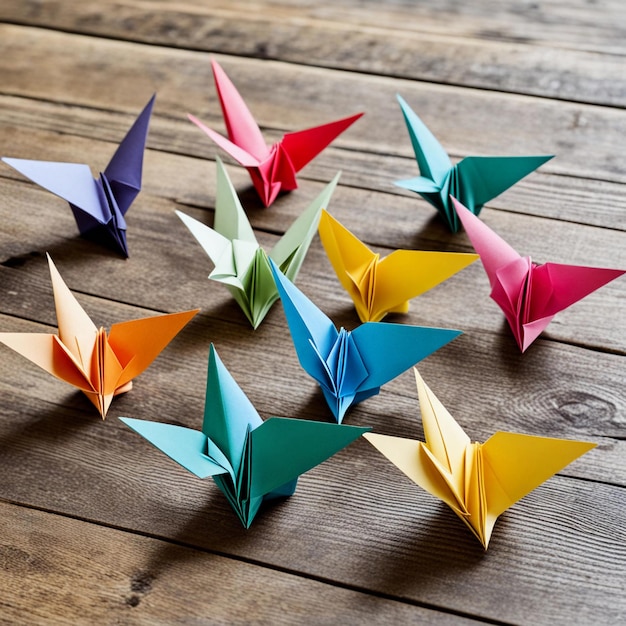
[[97, 526]]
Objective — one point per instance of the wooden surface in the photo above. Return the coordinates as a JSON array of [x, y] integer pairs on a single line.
[[97, 526]]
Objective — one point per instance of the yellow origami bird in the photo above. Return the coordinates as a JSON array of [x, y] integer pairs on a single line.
[[479, 481], [380, 286], [100, 365]]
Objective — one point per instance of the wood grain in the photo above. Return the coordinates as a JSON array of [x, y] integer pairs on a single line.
[[162, 248], [64, 570], [90, 135], [585, 138], [368, 532], [98, 526], [509, 54]]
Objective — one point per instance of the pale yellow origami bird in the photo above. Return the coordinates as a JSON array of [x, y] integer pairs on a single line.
[[479, 481]]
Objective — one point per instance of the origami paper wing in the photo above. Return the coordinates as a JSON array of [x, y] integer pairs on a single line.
[[271, 168], [351, 366], [99, 205], [380, 286], [530, 295], [479, 481], [249, 459], [240, 263], [474, 180], [101, 366]]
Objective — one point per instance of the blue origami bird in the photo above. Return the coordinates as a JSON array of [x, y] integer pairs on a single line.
[[473, 181], [99, 205], [250, 460], [351, 366]]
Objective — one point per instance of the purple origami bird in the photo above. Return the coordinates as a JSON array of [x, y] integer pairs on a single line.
[[98, 204]]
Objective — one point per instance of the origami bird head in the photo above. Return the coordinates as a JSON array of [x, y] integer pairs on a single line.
[[240, 262], [99, 205], [271, 168], [351, 366], [101, 365], [478, 481], [474, 180], [530, 295], [250, 460]]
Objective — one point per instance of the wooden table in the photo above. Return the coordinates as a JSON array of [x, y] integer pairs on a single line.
[[97, 527]]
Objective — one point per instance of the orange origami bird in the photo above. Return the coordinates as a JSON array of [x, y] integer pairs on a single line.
[[100, 366], [478, 481]]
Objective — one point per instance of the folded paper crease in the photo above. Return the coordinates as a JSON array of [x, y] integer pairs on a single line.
[[99, 205], [474, 180], [271, 168], [351, 366], [240, 262]]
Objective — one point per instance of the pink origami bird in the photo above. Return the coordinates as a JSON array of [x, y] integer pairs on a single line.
[[530, 295], [272, 168]]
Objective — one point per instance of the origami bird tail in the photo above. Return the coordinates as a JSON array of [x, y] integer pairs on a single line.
[[494, 252], [567, 284], [284, 448], [138, 342], [479, 179], [124, 171], [186, 446], [228, 413], [304, 145], [242, 129], [432, 159]]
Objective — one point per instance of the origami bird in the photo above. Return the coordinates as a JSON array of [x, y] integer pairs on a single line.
[[478, 481], [100, 365], [474, 180], [271, 168], [530, 295], [251, 460], [99, 205], [380, 286], [240, 262], [351, 366]]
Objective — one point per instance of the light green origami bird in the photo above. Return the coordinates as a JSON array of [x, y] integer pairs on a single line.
[[240, 262]]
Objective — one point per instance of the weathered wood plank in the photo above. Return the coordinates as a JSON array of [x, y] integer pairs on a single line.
[[585, 138], [163, 251], [355, 524], [42, 130], [552, 390], [63, 571], [566, 24], [375, 531], [376, 40]]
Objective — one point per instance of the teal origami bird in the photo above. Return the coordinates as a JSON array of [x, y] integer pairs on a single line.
[[240, 262], [473, 181], [250, 460]]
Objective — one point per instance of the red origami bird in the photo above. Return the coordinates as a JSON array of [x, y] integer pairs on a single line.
[[272, 168]]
